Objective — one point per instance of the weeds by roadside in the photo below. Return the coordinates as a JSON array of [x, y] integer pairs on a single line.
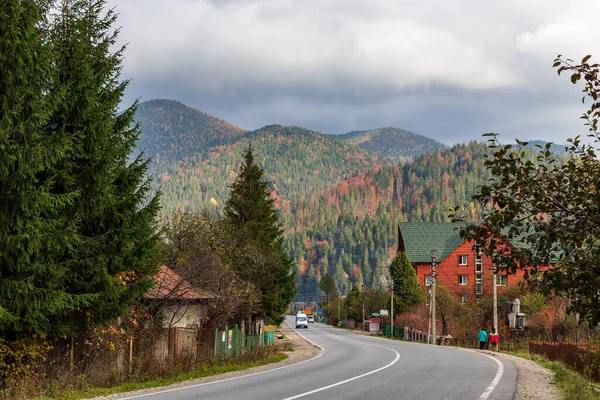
[[214, 368], [571, 384]]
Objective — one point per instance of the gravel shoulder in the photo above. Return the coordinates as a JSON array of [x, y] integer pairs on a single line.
[[534, 381], [302, 351]]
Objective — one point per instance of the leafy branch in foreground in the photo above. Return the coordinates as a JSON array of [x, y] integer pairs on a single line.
[[549, 211]]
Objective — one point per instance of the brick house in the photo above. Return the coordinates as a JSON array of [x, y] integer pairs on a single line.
[[459, 267]]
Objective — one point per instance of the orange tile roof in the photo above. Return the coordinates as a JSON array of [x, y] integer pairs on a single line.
[[170, 285]]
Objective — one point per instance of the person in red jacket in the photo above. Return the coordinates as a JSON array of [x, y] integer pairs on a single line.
[[494, 339]]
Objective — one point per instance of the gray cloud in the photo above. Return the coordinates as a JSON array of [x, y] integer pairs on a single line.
[[448, 70]]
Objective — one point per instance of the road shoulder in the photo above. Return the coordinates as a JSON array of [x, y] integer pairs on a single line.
[[302, 351], [533, 380]]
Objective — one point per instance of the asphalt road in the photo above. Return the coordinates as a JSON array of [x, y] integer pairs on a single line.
[[354, 366]]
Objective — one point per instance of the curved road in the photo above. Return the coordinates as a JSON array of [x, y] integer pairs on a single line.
[[355, 366]]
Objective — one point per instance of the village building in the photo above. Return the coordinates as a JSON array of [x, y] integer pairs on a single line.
[[461, 268], [179, 303]]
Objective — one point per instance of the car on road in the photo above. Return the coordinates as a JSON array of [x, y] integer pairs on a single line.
[[311, 318], [301, 321]]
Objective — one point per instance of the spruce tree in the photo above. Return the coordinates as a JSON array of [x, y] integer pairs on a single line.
[[261, 257], [113, 261], [34, 232], [407, 291], [329, 287]]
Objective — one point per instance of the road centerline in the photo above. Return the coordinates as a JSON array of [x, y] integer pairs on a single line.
[[349, 379]]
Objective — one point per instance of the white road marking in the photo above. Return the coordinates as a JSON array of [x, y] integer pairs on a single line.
[[353, 378], [234, 378], [496, 379]]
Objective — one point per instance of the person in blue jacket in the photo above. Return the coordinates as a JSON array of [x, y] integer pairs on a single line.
[[483, 338]]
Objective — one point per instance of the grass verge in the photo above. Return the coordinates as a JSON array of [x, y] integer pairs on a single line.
[[571, 384], [201, 372]]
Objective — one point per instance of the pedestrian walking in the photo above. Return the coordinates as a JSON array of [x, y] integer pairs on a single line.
[[483, 338], [494, 339]]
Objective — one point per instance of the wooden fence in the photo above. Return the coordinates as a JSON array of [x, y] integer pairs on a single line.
[[88, 355], [585, 358]]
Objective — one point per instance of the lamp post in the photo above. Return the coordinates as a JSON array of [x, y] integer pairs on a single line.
[[433, 279]]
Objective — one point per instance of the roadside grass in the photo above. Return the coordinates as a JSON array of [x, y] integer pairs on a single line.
[[571, 384], [203, 371]]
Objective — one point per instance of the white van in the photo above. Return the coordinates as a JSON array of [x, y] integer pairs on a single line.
[[301, 321]]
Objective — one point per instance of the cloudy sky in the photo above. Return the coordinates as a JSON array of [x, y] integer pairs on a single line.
[[447, 69]]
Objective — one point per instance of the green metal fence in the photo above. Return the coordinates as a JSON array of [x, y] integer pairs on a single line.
[[398, 331], [233, 342]]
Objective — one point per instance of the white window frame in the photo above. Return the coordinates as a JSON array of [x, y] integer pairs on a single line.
[[479, 284], [478, 264], [460, 260], [501, 280], [427, 280], [464, 298], [463, 280]]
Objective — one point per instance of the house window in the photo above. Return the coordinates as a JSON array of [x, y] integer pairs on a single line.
[[462, 260], [478, 264], [427, 280], [464, 298], [462, 279], [501, 280], [478, 284]]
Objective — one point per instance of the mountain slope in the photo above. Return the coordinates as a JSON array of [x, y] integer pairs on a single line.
[[172, 131], [297, 161], [554, 147], [393, 143]]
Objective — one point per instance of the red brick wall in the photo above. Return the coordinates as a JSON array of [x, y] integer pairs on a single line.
[[449, 270]]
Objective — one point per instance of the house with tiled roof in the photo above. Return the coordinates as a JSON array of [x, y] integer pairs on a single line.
[[179, 303], [460, 268]]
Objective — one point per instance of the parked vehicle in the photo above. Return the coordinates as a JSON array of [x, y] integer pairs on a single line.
[[311, 318], [301, 321]]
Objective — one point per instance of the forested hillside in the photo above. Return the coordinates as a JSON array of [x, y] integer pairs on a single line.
[[350, 230], [173, 131], [297, 161], [398, 145], [339, 203]]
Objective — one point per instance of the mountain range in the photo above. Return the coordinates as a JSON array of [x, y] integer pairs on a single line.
[[340, 197]]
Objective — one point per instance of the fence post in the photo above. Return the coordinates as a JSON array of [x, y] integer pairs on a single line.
[[71, 354], [216, 342], [130, 354]]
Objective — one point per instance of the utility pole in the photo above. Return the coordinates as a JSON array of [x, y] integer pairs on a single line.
[[392, 314], [363, 306], [495, 298], [433, 279], [339, 301], [429, 316]]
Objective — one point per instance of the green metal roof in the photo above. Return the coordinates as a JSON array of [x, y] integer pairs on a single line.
[[417, 239]]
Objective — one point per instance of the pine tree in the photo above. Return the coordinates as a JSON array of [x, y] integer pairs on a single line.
[[329, 287], [34, 232], [407, 291], [262, 259], [114, 259]]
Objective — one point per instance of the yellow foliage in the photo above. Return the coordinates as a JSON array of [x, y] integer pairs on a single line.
[[23, 358]]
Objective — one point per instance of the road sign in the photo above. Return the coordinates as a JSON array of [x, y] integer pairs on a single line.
[[384, 312]]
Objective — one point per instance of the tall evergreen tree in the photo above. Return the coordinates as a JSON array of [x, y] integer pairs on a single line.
[[34, 231], [407, 291], [263, 261], [113, 261], [329, 287]]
